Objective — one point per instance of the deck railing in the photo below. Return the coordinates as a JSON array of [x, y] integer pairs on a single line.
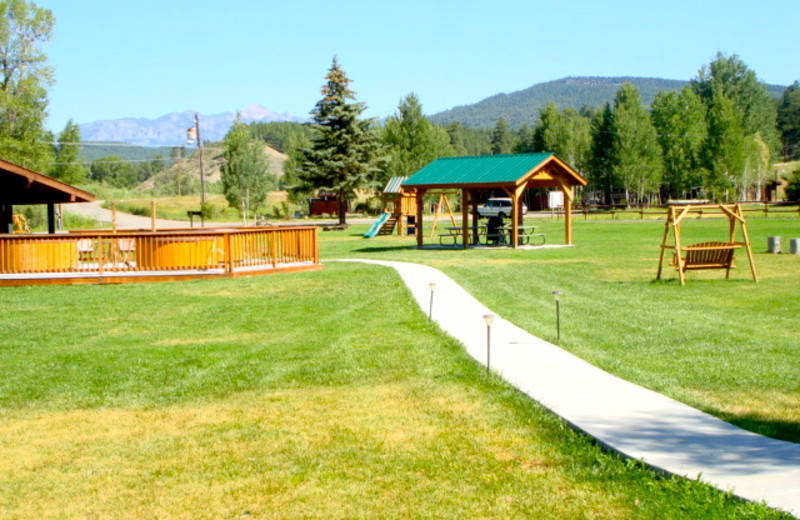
[[99, 252]]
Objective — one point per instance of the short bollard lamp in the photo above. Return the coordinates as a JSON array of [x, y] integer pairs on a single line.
[[557, 295], [488, 319], [432, 285]]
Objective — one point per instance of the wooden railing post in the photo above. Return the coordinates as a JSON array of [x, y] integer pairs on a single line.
[[273, 250], [228, 256]]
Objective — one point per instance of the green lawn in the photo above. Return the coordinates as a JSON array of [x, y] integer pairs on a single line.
[[728, 347], [310, 395]]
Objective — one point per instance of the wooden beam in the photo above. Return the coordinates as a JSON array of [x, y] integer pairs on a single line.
[[418, 224], [667, 224], [568, 196], [51, 218], [473, 203], [6, 218], [464, 217]]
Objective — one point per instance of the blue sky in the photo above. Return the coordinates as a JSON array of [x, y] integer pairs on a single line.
[[146, 58]]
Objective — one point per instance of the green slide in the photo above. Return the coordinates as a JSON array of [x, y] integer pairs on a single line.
[[377, 225]]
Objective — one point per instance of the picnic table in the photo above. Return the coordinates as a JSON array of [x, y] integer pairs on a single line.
[[525, 234], [453, 233]]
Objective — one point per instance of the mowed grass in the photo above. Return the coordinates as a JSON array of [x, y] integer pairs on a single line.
[[311, 395], [729, 347]]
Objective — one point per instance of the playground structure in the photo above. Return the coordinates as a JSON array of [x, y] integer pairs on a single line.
[[705, 255], [400, 210]]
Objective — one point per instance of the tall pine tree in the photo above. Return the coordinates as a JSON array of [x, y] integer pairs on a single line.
[[345, 155], [501, 138], [600, 162]]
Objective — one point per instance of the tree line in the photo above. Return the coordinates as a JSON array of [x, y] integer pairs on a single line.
[[714, 139]]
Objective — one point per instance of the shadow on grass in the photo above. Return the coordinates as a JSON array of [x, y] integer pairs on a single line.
[[783, 430], [434, 248]]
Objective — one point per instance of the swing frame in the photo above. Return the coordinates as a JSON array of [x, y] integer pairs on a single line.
[[705, 255]]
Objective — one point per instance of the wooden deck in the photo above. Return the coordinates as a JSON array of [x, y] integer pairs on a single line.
[[106, 257]]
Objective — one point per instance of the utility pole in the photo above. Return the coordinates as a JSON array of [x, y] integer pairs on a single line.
[[200, 150], [194, 133]]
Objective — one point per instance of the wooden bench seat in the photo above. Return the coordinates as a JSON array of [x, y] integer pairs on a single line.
[[707, 255]]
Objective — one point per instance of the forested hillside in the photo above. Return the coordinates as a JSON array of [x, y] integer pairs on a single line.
[[522, 107], [91, 151]]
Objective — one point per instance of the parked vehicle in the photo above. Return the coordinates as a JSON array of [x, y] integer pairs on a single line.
[[498, 207]]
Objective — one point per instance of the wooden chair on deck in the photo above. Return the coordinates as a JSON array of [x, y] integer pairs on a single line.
[[20, 224]]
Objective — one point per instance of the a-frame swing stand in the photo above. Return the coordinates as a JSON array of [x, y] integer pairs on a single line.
[[439, 213], [706, 255]]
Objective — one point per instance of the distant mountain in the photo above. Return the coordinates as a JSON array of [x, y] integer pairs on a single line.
[[522, 107], [170, 130]]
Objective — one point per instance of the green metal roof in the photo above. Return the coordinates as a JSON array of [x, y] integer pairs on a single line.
[[483, 169]]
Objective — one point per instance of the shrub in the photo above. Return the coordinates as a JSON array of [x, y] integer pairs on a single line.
[[793, 188]]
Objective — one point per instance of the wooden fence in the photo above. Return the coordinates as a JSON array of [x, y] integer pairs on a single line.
[[764, 209], [228, 252]]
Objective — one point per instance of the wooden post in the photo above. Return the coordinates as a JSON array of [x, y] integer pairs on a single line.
[[676, 227], [51, 217], [153, 215], [670, 213], [418, 223], [273, 247], [113, 217], [738, 211], [6, 219], [464, 218], [228, 256], [568, 196], [568, 217], [518, 220], [473, 202]]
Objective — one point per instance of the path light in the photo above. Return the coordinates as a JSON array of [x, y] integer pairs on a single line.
[[557, 296], [432, 285], [488, 319]]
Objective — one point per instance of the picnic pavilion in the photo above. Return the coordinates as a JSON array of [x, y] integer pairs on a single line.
[[21, 186], [509, 174]]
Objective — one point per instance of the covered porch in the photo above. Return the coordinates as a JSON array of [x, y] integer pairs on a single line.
[[22, 186], [507, 174], [117, 256]]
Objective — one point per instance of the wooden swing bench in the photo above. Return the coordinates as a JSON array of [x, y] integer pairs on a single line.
[[705, 255]]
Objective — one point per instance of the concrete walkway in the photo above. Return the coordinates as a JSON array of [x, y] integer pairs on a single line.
[[627, 418]]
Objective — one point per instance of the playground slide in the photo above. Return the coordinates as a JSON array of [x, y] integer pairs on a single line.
[[377, 226]]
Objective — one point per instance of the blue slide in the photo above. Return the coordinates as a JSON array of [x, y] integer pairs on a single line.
[[377, 226]]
